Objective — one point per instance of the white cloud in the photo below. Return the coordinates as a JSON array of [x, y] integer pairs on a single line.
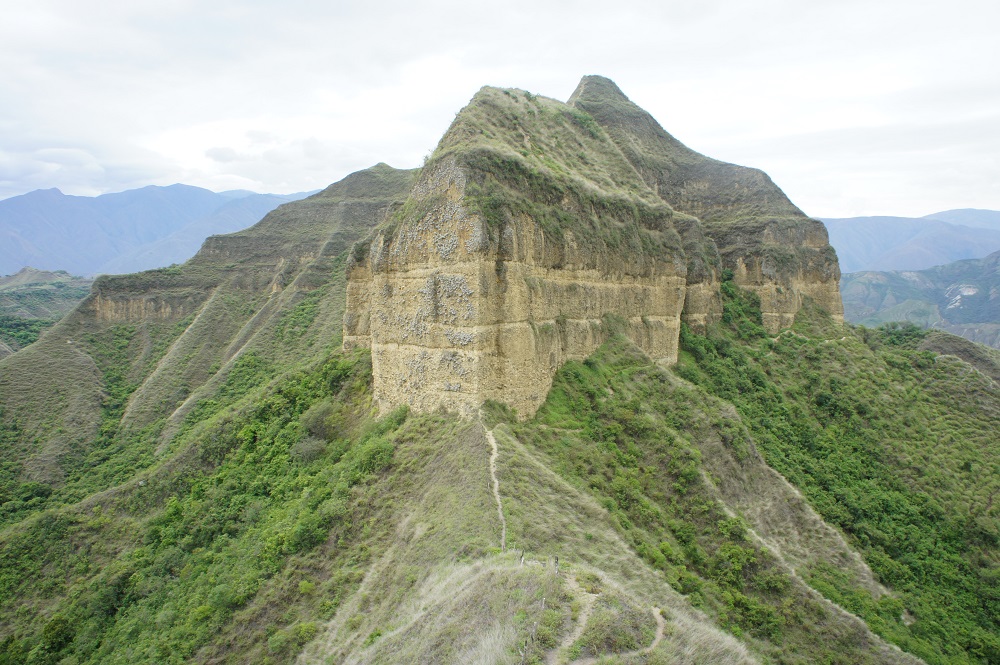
[[853, 107]]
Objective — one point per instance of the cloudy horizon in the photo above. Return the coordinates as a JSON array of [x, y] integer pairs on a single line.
[[856, 108]]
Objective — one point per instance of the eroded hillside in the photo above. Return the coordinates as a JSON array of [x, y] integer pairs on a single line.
[[128, 366], [194, 469]]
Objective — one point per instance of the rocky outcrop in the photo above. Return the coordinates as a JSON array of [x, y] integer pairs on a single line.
[[455, 314], [537, 227], [771, 246]]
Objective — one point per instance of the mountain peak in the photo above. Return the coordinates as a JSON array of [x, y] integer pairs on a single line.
[[597, 88]]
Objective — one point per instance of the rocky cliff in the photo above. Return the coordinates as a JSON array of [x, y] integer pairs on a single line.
[[771, 246], [537, 226]]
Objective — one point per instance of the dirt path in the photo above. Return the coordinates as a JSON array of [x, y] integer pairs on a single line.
[[554, 656], [496, 486]]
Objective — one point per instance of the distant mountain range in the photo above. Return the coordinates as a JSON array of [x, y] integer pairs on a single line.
[[939, 271], [124, 232], [961, 297], [906, 243]]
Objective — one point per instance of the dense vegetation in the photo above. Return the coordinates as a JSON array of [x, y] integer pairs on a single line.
[[19, 333], [155, 569], [895, 446]]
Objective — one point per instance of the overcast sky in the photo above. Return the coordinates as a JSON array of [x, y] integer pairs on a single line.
[[853, 108]]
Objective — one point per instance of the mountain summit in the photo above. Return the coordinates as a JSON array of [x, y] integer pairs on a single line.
[[535, 220]]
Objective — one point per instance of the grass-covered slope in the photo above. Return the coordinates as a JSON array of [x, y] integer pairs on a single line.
[[290, 521], [106, 390], [531, 157], [31, 301], [295, 523], [716, 192], [894, 445], [743, 211]]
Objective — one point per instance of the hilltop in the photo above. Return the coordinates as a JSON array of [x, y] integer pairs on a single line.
[[666, 445], [32, 300], [534, 219]]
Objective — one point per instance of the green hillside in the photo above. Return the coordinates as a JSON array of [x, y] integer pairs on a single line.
[[961, 297], [193, 469], [285, 518], [31, 301]]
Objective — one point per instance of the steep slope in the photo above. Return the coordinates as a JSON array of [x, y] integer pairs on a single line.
[[903, 243], [41, 294], [531, 222], [961, 297], [32, 300], [771, 246], [126, 367], [293, 524]]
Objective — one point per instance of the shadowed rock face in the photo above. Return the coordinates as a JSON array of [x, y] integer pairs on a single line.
[[537, 226]]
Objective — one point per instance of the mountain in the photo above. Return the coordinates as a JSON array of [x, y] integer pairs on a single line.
[[984, 219], [536, 219], [903, 243], [136, 229], [183, 243], [961, 297], [32, 300], [570, 392], [41, 294]]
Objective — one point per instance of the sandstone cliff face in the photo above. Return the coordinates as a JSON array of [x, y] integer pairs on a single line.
[[536, 227], [771, 246], [454, 317]]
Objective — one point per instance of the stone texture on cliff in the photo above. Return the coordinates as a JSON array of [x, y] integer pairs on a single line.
[[534, 221], [525, 230], [771, 246]]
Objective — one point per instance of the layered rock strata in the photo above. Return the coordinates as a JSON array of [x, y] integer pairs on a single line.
[[771, 246], [454, 319], [538, 227]]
